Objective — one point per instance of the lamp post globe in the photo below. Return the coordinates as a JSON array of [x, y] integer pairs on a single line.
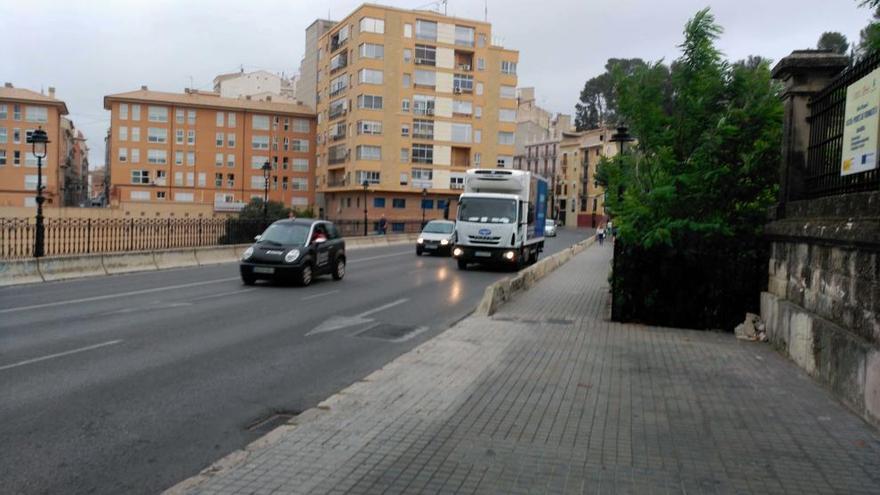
[[621, 137], [267, 169], [39, 141], [366, 185]]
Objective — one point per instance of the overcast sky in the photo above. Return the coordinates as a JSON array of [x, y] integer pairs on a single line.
[[89, 48]]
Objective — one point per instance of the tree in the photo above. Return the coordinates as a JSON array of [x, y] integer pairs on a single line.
[[276, 211], [597, 104], [696, 189], [834, 41], [869, 37]]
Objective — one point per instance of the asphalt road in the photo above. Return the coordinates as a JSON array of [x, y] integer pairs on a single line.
[[131, 383]]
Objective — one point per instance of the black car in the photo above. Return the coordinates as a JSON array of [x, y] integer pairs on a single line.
[[297, 250]]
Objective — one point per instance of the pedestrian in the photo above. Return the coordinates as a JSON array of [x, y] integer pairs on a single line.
[[383, 224], [609, 230], [600, 234]]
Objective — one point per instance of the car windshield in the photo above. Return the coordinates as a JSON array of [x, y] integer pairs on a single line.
[[438, 228], [286, 233], [487, 210]]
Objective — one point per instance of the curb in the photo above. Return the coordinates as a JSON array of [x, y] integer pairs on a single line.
[[505, 289]]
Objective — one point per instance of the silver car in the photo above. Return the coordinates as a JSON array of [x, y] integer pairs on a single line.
[[437, 237], [550, 228]]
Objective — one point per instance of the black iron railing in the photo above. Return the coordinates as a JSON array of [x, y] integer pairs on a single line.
[[822, 177], [71, 236]]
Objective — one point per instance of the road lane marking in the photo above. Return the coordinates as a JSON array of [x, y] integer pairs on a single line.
[[379, 257], [114, 296], [320, 294], [60, 354], [230, 293], [381, 308]]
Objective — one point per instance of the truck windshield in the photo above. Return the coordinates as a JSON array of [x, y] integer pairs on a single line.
[[487, 210]]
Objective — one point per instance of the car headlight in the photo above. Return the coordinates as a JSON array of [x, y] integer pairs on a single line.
[[247, 253], [444, 242], [420, 240], [291, 256]]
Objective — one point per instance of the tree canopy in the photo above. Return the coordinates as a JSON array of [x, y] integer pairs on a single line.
[[597, 105], [275, 211], [834, 41]]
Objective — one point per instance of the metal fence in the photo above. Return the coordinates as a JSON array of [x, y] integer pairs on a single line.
[[83, 235], [822, 177]]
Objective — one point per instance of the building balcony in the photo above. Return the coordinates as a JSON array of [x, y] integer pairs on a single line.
[[340, 182], [421, 184]]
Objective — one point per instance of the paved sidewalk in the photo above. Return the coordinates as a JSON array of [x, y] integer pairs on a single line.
[[549, 397]]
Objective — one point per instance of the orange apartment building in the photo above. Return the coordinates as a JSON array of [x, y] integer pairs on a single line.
[[407, 100], [199, 148], [21, 112]]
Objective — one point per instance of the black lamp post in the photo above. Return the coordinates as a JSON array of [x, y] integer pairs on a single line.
[[424, 196], [267, 169], [366, 185], [39, 140], [621, 137]]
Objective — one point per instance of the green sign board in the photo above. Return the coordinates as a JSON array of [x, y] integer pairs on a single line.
[[860, 130]]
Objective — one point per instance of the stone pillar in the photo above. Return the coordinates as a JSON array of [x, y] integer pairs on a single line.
[[803, 74]]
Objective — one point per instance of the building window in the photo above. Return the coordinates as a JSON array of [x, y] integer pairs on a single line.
[[378, 202], [425, 78], [178, 116], [218, 160], [135, 155], [428, 204], [426, 30], [407, 55], [366, 176], [406, 80], [422, 153], [157, 135], [299, 184], [157, 114], [16, 136], [301, 125], [191, 117], [140, 176], [178, 178], [422, 174], [461, 107], [136, 134], [505, 137], [191, 137], [219, 121], [36, 114], [300, 165], [140, 195], [404, 105], [426, 55], [136, 113], [404, 155], [190, 158], [371, 50], [218, 139], [178, 158], [157, 157], [258, 161], [478, 112], [299, 145], [508, 92], [508, 67], [464, 35], [16, 112], [4, 137], [190, 179], [183, 197], [218, 180], [423, 105], [370, 76], [423, 129], [398, 202], [371, 102], [178, 136], [260, 122], [481, 63], [461, 133], [479, 89], [477, 158], [372, 127], [504, 161], [16, 158], [2, 158], [230, 119], [123, 111], [404, 130], [372, 25], [507, 115], [456, 182], [123, 133], [365, 152], [478, 136], [230, 180], [404, 179], [230, 160], [202, 179], [123, 154], [462, 83], [259, 142], [230, 140]]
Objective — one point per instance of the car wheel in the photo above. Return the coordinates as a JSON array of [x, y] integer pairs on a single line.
[[462, 265], [339, 269], [418, 251], [305, 275], [248, 280]]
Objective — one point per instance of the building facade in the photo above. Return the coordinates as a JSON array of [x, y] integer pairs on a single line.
[[307, 84], [407, 101], [200, 148], [257, 84], [21, 112]]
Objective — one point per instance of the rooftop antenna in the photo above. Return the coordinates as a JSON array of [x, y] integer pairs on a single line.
[[190, 82]]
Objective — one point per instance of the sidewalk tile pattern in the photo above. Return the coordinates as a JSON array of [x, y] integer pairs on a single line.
[[550, 397]]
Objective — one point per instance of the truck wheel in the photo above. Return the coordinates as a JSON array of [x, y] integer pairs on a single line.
[[462, 265]]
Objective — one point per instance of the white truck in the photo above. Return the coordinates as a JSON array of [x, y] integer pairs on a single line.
[[501, 217]]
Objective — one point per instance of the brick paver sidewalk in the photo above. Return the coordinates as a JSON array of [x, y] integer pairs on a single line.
[[550, 397]]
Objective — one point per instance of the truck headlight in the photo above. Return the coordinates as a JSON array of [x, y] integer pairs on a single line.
[[509, 255], [457, 252], [420, 240], [444, 242], [291, 256], [247, 253]]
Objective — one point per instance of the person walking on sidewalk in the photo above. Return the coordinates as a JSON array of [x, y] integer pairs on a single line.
[[600, 234], [383, 224]]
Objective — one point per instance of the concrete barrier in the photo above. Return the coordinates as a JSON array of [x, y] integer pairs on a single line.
[[138, 261], [216, 255], [505, 289], [16, 272], [175, 258], [67, 267]]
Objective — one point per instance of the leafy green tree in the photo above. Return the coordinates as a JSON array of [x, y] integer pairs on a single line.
[[276, 211], [869, 37], [703, 171], [597, 105], [834, 41]]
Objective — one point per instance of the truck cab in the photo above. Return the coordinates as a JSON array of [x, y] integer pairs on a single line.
[[501, 218]]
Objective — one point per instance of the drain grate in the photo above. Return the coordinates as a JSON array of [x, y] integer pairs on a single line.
[[265, 424], [387, 331]]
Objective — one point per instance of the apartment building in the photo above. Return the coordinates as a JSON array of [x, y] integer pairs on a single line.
[[569, 162], [258, 85], [21, 112], [406, 102], [307, 84], [200, 148]]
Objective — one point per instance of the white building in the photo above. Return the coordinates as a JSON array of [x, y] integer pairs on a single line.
[[258, 85]]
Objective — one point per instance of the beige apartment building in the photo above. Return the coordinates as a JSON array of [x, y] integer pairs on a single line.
[[21, 112], [406, 102], [198, 148]]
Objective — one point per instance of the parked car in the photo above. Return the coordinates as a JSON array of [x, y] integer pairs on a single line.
[[550, 228], [437, 237], [296, 250]]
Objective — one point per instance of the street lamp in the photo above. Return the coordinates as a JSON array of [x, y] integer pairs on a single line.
[[39, 139], [366, 185], [424, 195], [267, 169], [621, 137]]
